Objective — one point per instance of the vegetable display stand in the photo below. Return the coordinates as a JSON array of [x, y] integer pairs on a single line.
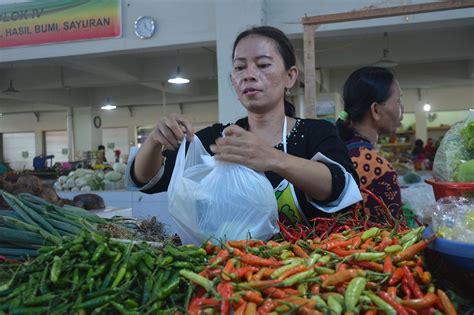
[[445, 189]]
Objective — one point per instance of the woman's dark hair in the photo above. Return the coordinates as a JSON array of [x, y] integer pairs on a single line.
[[284, 46], [363, 87]]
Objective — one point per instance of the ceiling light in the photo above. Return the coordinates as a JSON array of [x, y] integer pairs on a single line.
[[108, 105], [1, 114], [385, 62], [427, 107], [10, 89], [178, 79]]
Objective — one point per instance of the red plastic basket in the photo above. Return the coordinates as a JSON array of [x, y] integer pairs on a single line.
[[445, 189]]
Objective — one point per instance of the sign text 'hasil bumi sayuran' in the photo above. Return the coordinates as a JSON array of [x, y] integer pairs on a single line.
[[34, 22]]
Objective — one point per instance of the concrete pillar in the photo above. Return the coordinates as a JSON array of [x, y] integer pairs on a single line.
[[39, 143], [420, 121], [86, 136], [70, 134], [232, 17]]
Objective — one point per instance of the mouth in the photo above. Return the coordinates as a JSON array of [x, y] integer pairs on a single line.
[[250, 91]]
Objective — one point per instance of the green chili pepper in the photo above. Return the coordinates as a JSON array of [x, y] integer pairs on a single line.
[[198, 279], [29, 310], [96, 294], [278, 272], [353, 292], [367, 256], [314, 258], [320, 303], [170, 286], [278, 249], [324, 270], [38, 300], [384, 306], [372, 232], [147, 287], [392, 248], [334, 305], [131, 303], [288, 282], [55, 269], [165, 261], [98, 252], [96, 302]]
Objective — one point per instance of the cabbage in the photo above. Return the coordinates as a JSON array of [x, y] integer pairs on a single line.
[[466, 172], [80, 172], [70, 183], [74, 189], [81, 181], [62, 179], [120, 167], [113, 176], [467, 134], [86, 188]]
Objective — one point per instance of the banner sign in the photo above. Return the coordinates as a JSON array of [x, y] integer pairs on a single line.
[[33, 22]]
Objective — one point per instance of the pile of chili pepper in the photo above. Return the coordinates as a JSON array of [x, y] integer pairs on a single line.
[[352, 272], [94, 274]]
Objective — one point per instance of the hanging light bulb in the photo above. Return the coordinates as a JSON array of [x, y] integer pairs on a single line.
[[108, 105], [178, 79], [385, 62]]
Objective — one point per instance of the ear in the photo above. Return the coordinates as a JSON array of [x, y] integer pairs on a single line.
[[375, 111], [292, 76]]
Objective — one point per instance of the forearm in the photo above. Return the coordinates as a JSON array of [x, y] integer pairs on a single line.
[[148, 161], [312, 177]]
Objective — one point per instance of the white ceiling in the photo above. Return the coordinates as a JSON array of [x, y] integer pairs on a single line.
[[430, 56]]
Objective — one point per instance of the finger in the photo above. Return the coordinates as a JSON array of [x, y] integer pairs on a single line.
[[168, 136], [231, 141], [188, 127], [231, 158], [171, 144], [234, 130], [173, 125]]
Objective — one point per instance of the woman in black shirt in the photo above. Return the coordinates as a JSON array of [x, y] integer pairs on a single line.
[[304, 159]]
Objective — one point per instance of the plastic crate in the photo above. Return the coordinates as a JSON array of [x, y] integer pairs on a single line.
[[445, 189]]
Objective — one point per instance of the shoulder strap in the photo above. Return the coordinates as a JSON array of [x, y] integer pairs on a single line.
[[359, 144]]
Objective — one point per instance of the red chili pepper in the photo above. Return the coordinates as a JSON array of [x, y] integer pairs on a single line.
[[393, 303], [396, 277], [406, 288], [197, 303], [371, 265], [275, 293], [225, 290], [291, 291], [387, 264], [386, 241], [267, 306], [226, 272], [315, 289], [421, 303], [242, 271], [347, 252], [414, 287]]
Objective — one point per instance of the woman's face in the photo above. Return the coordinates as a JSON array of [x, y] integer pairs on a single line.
[[259, 76], [391, 111]]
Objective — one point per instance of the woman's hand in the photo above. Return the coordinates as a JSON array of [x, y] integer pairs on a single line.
[[170, 130], [243, 147]]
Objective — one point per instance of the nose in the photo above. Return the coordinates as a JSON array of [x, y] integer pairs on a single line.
[[250, 73]]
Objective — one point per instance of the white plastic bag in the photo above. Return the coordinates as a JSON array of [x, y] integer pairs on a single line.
[[208, 198]]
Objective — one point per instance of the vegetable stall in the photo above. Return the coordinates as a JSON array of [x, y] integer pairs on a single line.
[[69, 261]]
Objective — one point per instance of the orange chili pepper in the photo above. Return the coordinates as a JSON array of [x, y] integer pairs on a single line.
[[341, 276], [241, 309], [295, 270], [253, 296], [251, 309], [396, 277], [411, 251], [254, 260], [387, 264], [291, 291], [300, 252], [226, 272], [266, 307], [356, 242], [446, 302], [392, 291], [426, 277]]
